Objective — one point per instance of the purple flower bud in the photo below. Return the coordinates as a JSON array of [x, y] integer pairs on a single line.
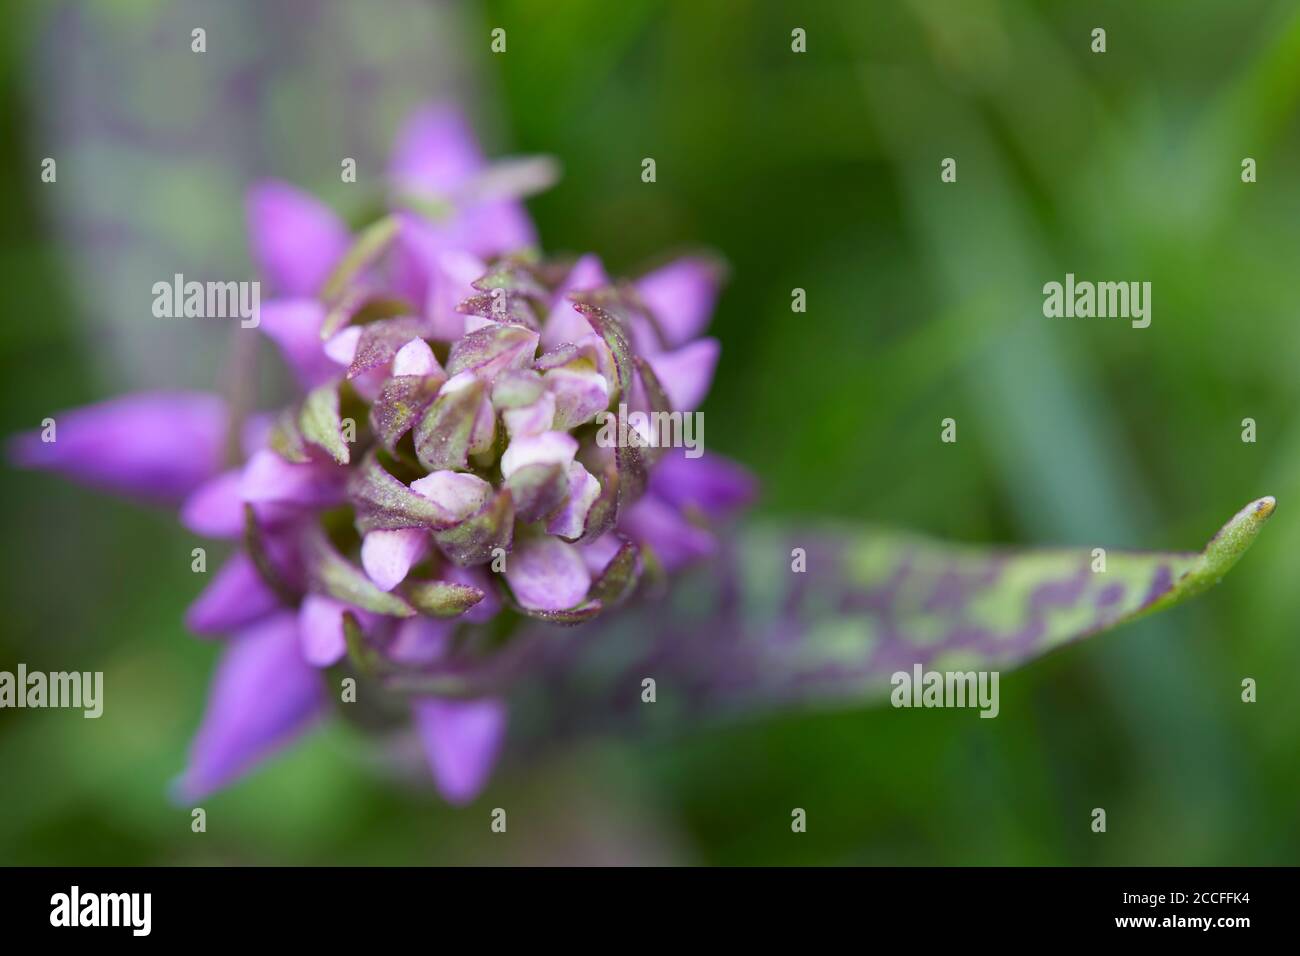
[[442, 468], [547, 574], [387, 556], [547, 448], [461, 741], [457, 494]]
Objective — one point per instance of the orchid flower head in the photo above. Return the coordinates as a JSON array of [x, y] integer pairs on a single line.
[[441, 476]]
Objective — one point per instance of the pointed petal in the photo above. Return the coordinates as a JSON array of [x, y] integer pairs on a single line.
[[681, 295], [416, 358], [388, 556], [320, 629], [711, 483], [580, 392], [462, 739], [457, 494], [458, 423], [491, 350], [675, 541], [452, 281], [548, 448], [235, 597], [214, 509], [546, 574], [565, 324], [263, 696], [687, 373], [159, 446], [443, 599], [269, 478], [296, 239], [435, 152], [570, 520], [342, 346]]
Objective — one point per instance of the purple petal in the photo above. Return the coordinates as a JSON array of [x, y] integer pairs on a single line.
[[571, 519], [461, 741], [388, 556], [491, 229], [320, 630], [564, 324], [269, 478], [294, 326], [234, 598], [435, 152], [263, 696], [416, 358], [681, 295], [436, 271], [214, 509], [687, 373], [342, 346], [710, 483], [580, 392], [296, 239], [597, 554], [410, 259], [421, 640], [547, 574], [454, 273], [675, 541], [530, 419], [379, 343], [159, 446], [458, 494], [548, 448], [256, 433], [491, 350]]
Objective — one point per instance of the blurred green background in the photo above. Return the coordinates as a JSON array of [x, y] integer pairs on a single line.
[[818, 171]]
